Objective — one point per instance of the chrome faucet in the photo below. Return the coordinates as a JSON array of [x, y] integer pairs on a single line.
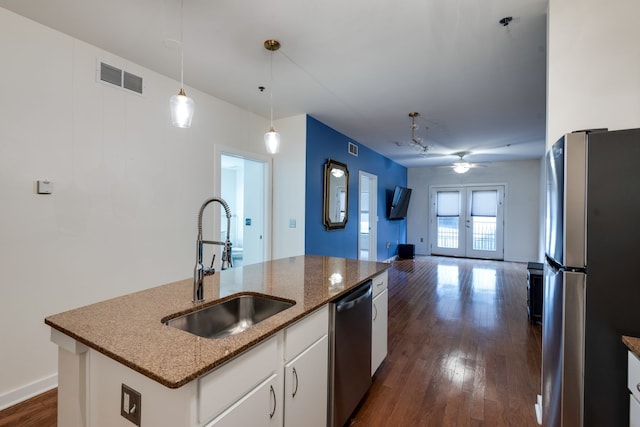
[[200, 270]]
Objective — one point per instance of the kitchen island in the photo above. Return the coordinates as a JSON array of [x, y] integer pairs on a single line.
[[125, 341]]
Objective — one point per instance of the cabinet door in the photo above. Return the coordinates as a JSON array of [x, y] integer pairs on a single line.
[[634, 412], [379, 330], [258, 408], [306, 391]]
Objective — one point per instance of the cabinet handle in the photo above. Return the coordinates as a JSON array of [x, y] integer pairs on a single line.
[[375, 316], [295, 375], [273, 393], [380, 284], [638, 386]]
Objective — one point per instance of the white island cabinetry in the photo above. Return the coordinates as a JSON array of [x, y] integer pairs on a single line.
[[379, 321], [280, 381]]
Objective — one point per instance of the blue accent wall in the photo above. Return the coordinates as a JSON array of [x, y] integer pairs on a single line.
[[324, 143]]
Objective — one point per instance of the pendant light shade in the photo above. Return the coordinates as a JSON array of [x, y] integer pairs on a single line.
[[271, 138], [182, 107], [272, 141]]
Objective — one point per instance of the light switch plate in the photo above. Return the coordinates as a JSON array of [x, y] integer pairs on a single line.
[[131, 404], [45, 187]]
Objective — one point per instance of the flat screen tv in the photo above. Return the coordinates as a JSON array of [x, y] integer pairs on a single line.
[[399, 203]]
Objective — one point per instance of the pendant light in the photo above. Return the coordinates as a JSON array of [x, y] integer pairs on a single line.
[[181, 105], [271, 138]]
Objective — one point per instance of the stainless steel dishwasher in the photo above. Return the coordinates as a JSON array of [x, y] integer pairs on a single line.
[[350, 353]]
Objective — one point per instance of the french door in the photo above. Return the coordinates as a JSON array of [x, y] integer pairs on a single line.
[[467, 221]]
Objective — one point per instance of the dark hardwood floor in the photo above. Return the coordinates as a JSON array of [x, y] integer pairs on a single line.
[[461, 351], [40, 411]]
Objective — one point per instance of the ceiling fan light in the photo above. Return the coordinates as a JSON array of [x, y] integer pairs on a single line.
[[272, 141], [182, 108], [461, 167]]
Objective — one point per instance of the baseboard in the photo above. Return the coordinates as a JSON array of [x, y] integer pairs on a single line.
[[538, 409], [28, 391]]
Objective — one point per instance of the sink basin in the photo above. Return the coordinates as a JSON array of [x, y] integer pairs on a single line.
[[229, 317]]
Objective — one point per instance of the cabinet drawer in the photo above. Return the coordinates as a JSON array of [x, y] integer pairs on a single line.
[[224, 386], [380, 282], [305, 332], [260, 407]]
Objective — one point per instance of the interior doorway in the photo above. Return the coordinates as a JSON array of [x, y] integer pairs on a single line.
[[243, 186], [367, 216], [467, 221]]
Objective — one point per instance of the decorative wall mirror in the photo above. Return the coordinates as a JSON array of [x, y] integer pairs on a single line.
[[336, 194]]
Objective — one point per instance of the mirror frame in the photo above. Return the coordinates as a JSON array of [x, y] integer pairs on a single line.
[[328, 167]]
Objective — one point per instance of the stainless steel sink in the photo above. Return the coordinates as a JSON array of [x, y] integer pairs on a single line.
[[229, 317]]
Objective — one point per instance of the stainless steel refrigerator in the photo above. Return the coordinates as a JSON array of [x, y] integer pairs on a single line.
[[591, 281]]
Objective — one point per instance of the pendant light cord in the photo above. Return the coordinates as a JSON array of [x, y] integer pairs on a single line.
[[271, 88], [181, 45]]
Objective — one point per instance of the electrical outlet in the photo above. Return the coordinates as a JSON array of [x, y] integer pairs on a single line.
[[131, 404]]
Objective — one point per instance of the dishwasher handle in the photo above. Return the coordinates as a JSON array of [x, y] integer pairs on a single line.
[[353, 299]]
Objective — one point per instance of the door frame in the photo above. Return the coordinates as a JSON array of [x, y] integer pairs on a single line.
[[373, 213], [218, 151]]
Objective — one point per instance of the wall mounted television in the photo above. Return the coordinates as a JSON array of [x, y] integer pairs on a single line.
[[399, 203]]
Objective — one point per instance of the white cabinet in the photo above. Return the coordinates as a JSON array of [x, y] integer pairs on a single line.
[[379, 330], [633, 382], [379, 324], [233, 381], [306, 390], [259, 408], [306, 371]]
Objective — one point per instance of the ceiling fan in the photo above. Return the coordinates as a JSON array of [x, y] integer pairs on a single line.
[[462, 165]]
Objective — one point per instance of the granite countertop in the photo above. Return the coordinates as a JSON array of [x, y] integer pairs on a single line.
[[129, 328], [633, 344]]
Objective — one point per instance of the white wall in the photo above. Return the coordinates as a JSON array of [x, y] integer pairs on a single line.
[[522, 203], [289, 168], [127, 187], [593, 66]]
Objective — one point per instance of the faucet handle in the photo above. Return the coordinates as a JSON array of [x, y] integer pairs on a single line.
[[209, 271]]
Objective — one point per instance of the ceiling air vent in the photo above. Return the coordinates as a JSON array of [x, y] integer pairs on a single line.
[[122, 79], [353, 149]]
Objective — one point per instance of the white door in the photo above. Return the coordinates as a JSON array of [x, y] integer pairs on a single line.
[[367, 216], [243, 187], [467, 221]]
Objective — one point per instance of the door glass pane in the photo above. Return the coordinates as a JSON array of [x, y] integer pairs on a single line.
[[448, 231], [448, 219], [484, 233]]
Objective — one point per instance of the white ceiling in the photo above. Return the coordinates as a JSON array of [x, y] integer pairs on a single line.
[[359, 66]]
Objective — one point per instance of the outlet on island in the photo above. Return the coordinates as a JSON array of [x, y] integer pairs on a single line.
[[130, 404]]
